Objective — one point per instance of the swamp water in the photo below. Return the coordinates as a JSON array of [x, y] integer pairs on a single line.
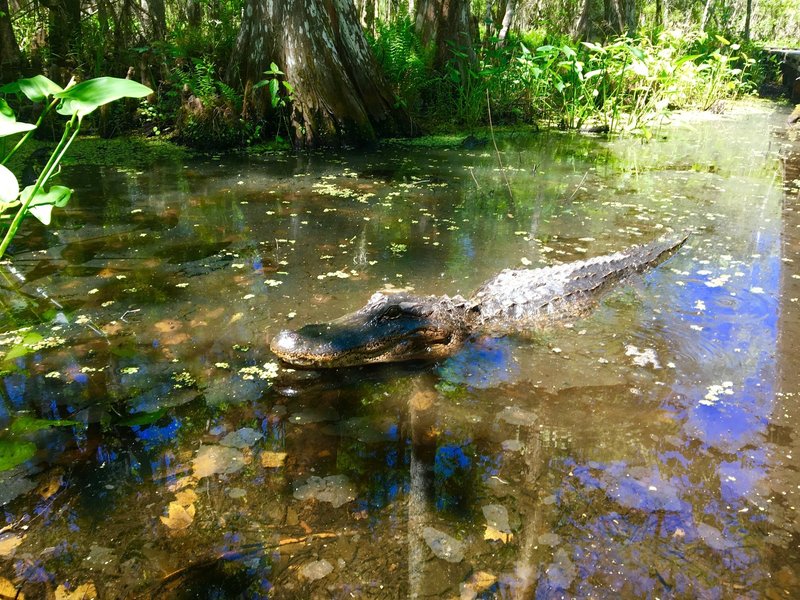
[[648, 450]]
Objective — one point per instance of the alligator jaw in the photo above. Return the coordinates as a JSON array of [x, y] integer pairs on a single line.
[[390, 328]]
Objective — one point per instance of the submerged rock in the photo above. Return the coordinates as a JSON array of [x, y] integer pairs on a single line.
[[316, 570], [241, 438], [444, 546], [517, 416], [497, 516], [216, 459], [562, 571], [335, 489]]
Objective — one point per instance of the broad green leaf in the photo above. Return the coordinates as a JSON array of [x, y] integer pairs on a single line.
[[8, 121], [594, 47], [637, 52], [26, 424], [43, 212], [9, 186], [5, 110], [4, 206], [687, 58], [15, 452], [86, 96], [42, 204], [58, 195], [37, 88]]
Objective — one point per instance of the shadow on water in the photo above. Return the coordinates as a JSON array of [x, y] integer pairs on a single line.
[[152, 447]]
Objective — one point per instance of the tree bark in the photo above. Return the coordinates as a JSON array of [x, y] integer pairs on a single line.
[[194, 13], [339, 94], [614, 16], [747, 18], [706, 14], [631, 17], [580, 28], [153, 17], [64, 36], [10, 56], [508, 19], [446, 25]]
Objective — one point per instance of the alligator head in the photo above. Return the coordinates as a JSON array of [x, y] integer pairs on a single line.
[[390, 328]]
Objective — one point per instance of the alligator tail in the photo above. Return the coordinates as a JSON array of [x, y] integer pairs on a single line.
[[535, 298]]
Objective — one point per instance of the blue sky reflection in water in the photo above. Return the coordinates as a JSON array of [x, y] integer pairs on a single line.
[[638, 452], [666, 500]]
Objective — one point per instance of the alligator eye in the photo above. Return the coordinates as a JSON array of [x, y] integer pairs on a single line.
[[392, 312]]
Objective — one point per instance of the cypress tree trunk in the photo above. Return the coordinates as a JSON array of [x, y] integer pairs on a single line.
[[446, 25], [64, 36], [580, 27], [153, 17], [339, 95], [508, 19], [10, 56]]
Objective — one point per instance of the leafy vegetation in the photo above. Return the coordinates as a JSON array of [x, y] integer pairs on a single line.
[[622, 85], [615, 67], [75, 102]]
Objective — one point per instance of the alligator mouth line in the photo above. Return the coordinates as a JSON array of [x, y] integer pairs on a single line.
[[291, 350]]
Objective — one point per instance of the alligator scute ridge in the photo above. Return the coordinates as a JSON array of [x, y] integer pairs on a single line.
[[398, 327]]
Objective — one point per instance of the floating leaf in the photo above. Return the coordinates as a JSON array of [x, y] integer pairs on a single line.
[[495, 535], [186, 497], [87, 96], [477, 583], [15, 452], [86, 591], [316, 570], [8, 543], [216, 459], [8, 590], [143, 418], [272, 460], [242, 438], [178, 517], [26, 424], [443, 545]]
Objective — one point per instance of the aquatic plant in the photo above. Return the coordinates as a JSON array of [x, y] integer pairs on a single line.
[[75, 102]]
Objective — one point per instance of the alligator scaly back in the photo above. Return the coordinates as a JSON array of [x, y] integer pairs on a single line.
[[526, 299]]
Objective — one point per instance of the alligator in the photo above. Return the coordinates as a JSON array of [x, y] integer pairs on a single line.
[[400, 327]]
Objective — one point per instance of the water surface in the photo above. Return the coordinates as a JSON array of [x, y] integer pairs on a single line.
[[647, 450]]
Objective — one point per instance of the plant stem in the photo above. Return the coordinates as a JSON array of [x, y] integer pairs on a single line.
[[58, 153], [494, 142], [29, 133]]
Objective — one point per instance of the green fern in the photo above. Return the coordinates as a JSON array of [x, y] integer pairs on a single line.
[[406, 62]]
